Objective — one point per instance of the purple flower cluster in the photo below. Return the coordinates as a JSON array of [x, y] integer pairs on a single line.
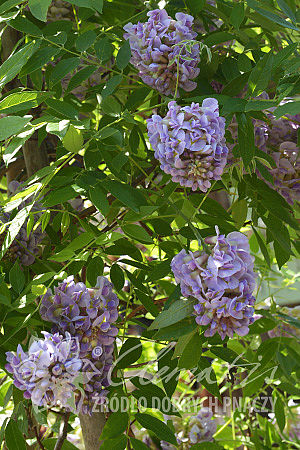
[[161, 52], [286, 174], [189, 143], [89, 315], [24, 247], [222, 282], [47, 372], [199, 428]]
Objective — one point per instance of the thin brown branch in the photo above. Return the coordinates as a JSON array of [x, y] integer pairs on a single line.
[[64, 432]]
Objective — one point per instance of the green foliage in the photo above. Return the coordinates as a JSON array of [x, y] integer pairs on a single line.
[[105, 207]]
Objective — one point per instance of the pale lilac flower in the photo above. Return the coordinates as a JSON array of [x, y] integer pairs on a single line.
[[160, 51], [202, 427], [222, 282], [47, 372], [88, 314], [286, 174], [189, 143]]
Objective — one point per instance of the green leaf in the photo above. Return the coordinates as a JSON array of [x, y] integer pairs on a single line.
[[103, 49], [177, 311], [270, 15], [39, 8], [239, 212], [12, 66], [176, 330], [137, 233], [114, 444], [111, 85], [130, 352], [292, 108], [218, 38], [50, 443], [245, 138], [13, 437], [12, 125], [62, 68], [150, 392], [159, 428], [73, 139], [97, 5], [17, 278], [259, 105], [115, 425], [63, 108], [99, 199], [138, 445], [208, 446], [15, 145], [170, 376], [206, 376], [123, 56], [195, 6], [59, 196], [14, 228], [288, 11], [85, 40], [237, 15], [279, 412], [262, 247], [40, 58], [127, 195], [282, 256], [94, 270], [22, 100], [147, 302], [79, 77], [110, 106], [6, 6], [191, 353], [260, 75], [284, 53], [117, 277], [160, 270]]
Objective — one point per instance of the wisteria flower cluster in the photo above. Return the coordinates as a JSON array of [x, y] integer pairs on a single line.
[[189, 143], [161, 51], [47, 372], [24, 247], [278, 139], [222, 282], [88, 315], [286, 173], [199, 428]]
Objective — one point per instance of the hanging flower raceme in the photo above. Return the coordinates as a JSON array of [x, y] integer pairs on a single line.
[[25, 247], [286, 173], [89, 315], [189, 143], [47, 372], [222, 282], [199, 428], [162, 53]]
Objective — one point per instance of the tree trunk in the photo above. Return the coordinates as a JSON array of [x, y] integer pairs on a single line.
[[92, 427], [35, 157]]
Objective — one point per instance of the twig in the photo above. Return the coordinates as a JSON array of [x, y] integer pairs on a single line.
[[64, 432]]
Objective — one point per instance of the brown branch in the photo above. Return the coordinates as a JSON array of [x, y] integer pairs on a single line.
[[64, 432], [142, 309]]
